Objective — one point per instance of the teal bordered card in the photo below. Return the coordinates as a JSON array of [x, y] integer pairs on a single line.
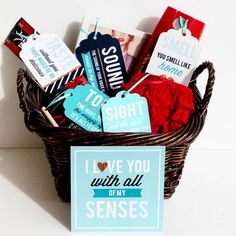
[[117, 188]]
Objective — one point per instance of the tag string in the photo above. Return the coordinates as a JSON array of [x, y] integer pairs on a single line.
[[58, 99], [135, 85], [96, 28], [183, 24], [84, 31], [95, 31], [34, 35]]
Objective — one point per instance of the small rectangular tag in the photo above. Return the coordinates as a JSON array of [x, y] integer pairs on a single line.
[[175, 55], [48, 58], [83, 106], [103, 61], [126, 114]]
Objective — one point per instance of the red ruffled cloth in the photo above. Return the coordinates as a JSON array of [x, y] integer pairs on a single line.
[[170, 104], [79, 80]]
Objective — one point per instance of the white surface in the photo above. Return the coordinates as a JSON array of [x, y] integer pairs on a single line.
[[64, 17], [203, 204]]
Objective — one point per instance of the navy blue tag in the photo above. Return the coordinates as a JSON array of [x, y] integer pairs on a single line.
[[103, 62]]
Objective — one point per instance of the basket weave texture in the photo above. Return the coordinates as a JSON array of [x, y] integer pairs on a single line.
[[58, 140]]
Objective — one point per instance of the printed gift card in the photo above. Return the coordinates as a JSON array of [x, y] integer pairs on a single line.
[[175, 55], [48, 58], [126, 113], [117, 188], [102, 59], [82, 106], [131, 41]]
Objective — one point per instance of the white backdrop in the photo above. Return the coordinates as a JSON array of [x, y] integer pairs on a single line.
[[64, 18]]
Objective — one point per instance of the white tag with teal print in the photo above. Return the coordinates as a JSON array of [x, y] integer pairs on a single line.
[[127, 113], [175, 55], [48, 58]]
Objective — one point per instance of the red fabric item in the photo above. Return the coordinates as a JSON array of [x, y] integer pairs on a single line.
[[170, 104], [79, 80]]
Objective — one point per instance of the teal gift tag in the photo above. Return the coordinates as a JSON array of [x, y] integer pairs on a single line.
[[126, 113], [82, 105]]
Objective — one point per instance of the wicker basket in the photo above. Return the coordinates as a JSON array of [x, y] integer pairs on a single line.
[[58, 140]]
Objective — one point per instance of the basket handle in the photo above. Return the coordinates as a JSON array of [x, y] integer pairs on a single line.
[[22, 75], [20, 89], [209, 86]]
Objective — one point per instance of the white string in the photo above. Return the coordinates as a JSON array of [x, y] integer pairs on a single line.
[[135, 85]]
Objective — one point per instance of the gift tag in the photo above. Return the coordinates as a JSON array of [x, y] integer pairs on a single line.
[[82, 105], [103, 61], [48, 58], [175, 55], [127, 113]]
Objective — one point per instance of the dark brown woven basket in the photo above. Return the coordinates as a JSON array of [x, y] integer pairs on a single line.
[[58, 140]]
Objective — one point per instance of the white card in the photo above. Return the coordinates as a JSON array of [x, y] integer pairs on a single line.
[[175, 55], [48, 58]]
